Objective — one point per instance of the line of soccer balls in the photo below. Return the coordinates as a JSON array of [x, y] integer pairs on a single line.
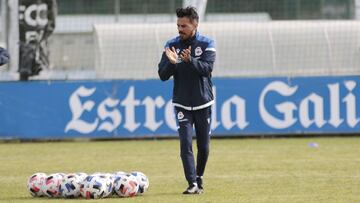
[[94, 186]]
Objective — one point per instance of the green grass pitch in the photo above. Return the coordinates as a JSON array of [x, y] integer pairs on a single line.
[[238, 170]]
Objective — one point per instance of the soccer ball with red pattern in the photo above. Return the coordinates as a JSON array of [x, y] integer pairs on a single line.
[[126, 185], [51, 185], [35, 183]]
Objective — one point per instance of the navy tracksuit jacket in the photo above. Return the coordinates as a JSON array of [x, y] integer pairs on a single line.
[[192, 98]]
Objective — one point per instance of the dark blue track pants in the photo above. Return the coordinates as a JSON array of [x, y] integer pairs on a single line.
[[187, 120]]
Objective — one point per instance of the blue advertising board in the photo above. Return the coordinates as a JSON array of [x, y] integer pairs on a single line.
[[143, 108]]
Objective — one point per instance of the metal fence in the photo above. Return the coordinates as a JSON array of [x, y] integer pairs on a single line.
[[72, 45]]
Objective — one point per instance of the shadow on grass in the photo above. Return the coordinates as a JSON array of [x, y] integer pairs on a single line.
[[27, 199], [149, 195], [19, 198]]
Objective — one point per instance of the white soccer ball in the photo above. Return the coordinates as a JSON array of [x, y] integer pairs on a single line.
[[107, 179], [126, 185], [35, 183], [70, 186], [93, 187], [51, 185], [109, 183], [116, 177], [142, 180]]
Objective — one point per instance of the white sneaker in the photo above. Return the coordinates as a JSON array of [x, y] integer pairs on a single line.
[[192, 189]]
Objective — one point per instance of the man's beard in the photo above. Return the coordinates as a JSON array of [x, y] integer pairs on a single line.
[[183, 36]]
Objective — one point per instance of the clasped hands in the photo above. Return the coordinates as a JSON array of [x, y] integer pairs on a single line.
[[173, 57]]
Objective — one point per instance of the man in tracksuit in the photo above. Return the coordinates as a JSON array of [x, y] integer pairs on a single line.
[[189, 58], [36, 24], [4, 56]]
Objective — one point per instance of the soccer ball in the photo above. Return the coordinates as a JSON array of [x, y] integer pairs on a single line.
[[117, 176], [35, 183], [108, 180], [51, 185], [126, 185], [70, 186], [93, 187], [142, 180]]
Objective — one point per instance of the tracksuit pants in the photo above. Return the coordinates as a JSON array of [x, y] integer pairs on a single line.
[[187, 120]]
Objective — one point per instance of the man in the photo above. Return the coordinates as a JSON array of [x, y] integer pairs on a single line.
[[4, 56], [36, 24], [189, 58]]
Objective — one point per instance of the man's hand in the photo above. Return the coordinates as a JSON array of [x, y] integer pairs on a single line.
[[185, 54], [171, 54]]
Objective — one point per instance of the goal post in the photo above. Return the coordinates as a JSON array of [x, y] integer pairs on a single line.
[[13, 34]]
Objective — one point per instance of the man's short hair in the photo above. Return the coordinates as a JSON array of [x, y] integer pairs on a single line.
[[189, 12]]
